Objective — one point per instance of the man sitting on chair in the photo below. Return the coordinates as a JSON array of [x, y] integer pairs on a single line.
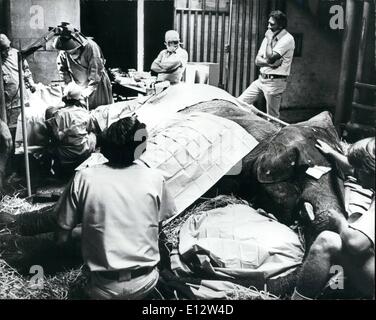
[[171, 62]]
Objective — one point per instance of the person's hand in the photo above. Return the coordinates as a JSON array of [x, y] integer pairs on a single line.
[[86, 93], [324, 147], [269, 35]]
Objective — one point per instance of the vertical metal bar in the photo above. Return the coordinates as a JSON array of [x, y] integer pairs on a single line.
[[181, 23], [234, 84], [175, 16], [216, 34], [222, 75], [195, 32], [257, 31], [24, 132], [189, 28], [249, 54], [202, 46], [242, 48], [349, 57], [208, 57], [228, 51], [362, 48], [140, 35], [3, 109]]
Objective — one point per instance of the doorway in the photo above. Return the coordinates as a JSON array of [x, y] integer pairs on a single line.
[[113, 25]]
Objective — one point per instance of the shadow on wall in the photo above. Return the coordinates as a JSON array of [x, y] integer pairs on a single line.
[[313, 83]]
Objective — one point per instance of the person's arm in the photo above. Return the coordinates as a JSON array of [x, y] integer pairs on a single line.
[[62, 67], [67, 213], [270, 55], [340, 158], [28, 77], [169, 66], [93, 55], [262, 61], [156, 65], [56, 125], [355, 241], [167, 204]]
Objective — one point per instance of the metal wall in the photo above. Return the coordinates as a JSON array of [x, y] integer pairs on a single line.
[[206, 32], [203, 31]]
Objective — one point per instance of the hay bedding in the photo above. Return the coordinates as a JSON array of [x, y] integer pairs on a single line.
[[68, 284], [60, 286]]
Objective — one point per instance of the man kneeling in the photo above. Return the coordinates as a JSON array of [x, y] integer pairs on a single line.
[[120, 205]]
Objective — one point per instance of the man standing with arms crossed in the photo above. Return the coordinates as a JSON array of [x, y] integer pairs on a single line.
[[274, 59], [171, 62]]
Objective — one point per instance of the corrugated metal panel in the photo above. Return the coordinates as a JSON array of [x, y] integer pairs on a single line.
[[205, 31], [247, 20]]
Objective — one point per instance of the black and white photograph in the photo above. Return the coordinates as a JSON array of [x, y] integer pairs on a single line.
[[197, 152]]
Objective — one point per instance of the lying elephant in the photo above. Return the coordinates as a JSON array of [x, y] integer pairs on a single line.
[[274, 173]]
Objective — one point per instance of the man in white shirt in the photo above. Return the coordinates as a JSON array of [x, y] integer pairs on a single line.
[[120, 205], [172, 61], [274, 59], [9, 58]]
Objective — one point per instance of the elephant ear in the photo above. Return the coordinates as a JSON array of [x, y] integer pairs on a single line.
[[290, 154], [324, 121]]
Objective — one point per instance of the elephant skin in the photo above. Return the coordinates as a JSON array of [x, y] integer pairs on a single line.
[[274, 173], [281, 174]]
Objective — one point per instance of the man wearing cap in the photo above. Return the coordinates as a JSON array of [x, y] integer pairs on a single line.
[[9, 59], [172, 61], [81, 61], [72, 131], [274, 59]]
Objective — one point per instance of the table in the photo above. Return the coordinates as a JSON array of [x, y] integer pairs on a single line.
[[125, 87]]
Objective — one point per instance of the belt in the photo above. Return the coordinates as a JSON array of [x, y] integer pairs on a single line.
[[272, 76], [125, 274]]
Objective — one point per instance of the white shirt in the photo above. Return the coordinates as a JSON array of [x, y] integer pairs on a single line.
[[73, 126], [180, 55], [11, 79], [284, 44], [120, 210]]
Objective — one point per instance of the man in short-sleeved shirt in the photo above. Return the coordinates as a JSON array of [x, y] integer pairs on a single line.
[[9, 58], [274, 59], [120, 206], [120, 210], [366, 223], [172, 61]]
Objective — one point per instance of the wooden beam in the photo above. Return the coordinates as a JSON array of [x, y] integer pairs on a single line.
[[363, 107], [140, 35], [348, 61], [3, 109], [365, 86]]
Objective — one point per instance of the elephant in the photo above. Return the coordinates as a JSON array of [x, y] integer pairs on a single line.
[[274, 175]]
